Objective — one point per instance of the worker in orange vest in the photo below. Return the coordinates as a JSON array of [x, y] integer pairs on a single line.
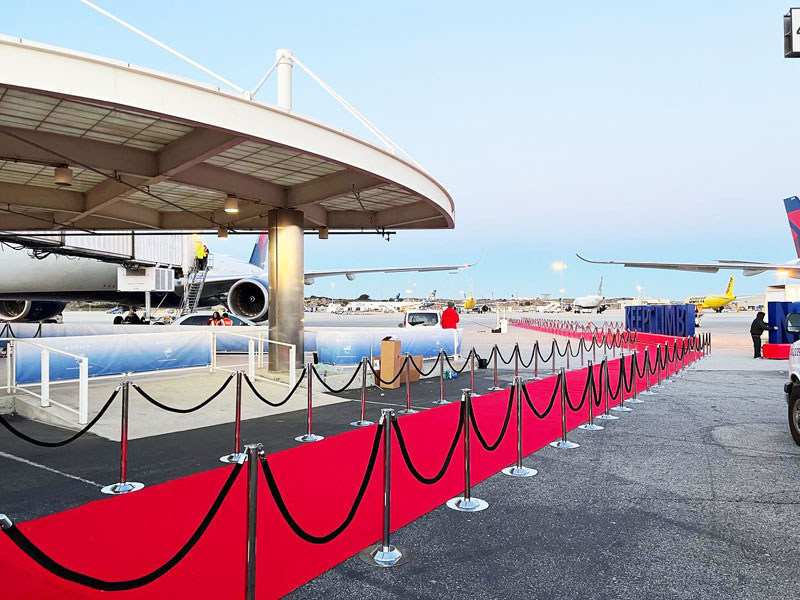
[[226, 320]]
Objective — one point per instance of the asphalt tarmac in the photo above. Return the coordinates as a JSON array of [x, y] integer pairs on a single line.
[[693, 495]]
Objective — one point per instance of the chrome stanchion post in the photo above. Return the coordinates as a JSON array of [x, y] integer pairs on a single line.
[[658, 385], [667, 375], [563, 442], [384, 554], [647, 391], [408, 410], [309, 435], [516, 360], [518, 470], [621, 389], [441, 399], [467, 503], [634, 371], [237, 454], [582, 363], [495, 387], [591, 425], [604, 390], [252, 454], [123, 486], [553, 357], [472, 370], [536, 361], [362, 422]]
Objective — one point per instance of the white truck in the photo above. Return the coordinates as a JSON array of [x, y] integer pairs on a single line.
[[792, 388]]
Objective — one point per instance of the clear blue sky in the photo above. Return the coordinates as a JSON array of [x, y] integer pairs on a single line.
[[641, 130]]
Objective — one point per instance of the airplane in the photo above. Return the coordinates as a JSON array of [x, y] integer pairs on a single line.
[[712, 301], [591, 302], [789, 269], [37, 288]]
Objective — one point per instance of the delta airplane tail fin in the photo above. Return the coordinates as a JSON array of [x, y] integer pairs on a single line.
[[259, 255], [729, 289], [793, 212]]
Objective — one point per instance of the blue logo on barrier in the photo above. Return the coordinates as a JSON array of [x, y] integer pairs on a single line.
[[776, 315]]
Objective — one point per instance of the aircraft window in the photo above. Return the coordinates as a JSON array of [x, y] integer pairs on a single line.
[[237, 320], [423, 319]]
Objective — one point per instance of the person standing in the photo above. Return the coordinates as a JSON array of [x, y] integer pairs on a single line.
[[215, 320], [450, 317], [757, 327]]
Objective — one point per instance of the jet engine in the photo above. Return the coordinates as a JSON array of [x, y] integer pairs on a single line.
[[249, 298], [29, 311]]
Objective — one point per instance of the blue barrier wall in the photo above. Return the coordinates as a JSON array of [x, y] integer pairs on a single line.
[[348, 347], [669, 319], [776, 315], [115, 354]]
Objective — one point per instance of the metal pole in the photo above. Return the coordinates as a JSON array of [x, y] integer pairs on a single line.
[[563, 442], [362, 422], [441, 399], [604, 390], [123, 486], [45, 379], [647, 391], [408, 410], [582, 352], [251, 359], [591, 426], [634, 370], [516, 359], [621, 388], [553, 356], [83, 390], [236, 455], [309, 436], [495, 387], [10, 362], [384, 554], [253, 453], [467, 503], [518, 470]]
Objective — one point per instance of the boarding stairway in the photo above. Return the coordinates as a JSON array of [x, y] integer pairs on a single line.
[[193, 290]]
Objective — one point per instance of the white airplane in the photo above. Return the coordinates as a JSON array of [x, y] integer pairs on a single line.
[[591, 302], [789, 269], [550, 307], [37, 288]]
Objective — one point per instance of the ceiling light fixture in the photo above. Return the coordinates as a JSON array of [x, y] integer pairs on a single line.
[[62, 176], [231, 204]]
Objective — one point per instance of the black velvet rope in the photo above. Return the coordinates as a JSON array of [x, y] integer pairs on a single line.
[[70, 439], [479, 435], [393, 379], [33, 551], [286, 398], [346, 385], [448, 457], [503, 360], [583, 395], [183, 411], [287, 516], [614, 395], [543, 414], [464, 366], [541, 356], [431, 370]]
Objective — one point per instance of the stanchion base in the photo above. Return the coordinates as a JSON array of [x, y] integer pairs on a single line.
[[591, 427], [309, 437], [441, 402], [495, 388], [565, 444], [407, 411], [363, 423], [233, 458], [383, 556], [634, 401], [647, 393], [620, 408], [605, 417], [122, 488], [515, 471], [472, 505]]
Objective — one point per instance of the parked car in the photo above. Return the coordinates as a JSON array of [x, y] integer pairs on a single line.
[[792, 388], [202, 318], [421, 318]]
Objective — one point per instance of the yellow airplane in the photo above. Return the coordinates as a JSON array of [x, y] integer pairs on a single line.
[[714, 301], [469, 303]]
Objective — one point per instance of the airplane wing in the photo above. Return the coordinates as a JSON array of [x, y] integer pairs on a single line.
[[747, 267], [351, 273]]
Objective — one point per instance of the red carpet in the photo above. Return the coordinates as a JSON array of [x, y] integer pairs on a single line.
[[127, 536]]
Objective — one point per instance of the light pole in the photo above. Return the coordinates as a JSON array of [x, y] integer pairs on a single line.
[[560, 266]]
